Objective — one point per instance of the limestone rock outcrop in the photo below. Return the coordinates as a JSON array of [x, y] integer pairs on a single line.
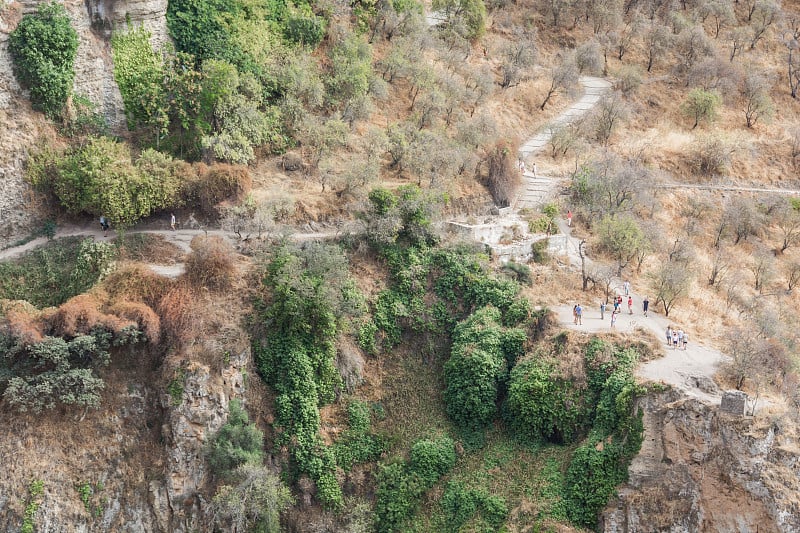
[[20, 126], [703, 470]]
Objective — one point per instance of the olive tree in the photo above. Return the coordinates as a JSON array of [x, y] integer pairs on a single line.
[[755, 96], [622, 238], [701, 105], [563, 77], [670, 282]]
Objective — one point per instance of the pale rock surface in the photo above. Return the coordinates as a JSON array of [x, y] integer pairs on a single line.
[[20, 126], [703, 470]]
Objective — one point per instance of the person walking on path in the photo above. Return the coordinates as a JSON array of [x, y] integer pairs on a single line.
[[104, 225], [602, 310], [674, 339], [680, 338], [645, 305], [172, 221], [627, 287], [575, 314], [685, 340], [669, 335], [579, 314], [569, 218], [630, 305], [534, 169], [613, 319], [616, 304]]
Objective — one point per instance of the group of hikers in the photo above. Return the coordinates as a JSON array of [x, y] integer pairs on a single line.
[[677, 338]]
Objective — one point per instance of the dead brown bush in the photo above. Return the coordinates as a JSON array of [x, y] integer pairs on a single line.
[[211, 263], [137, 283], [81, 314], [176, 309], [23, 321], [504, 178], [214, 184], [146, 319]]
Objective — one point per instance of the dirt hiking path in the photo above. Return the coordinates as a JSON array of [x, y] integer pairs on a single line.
[[691, 370], [181, 238]]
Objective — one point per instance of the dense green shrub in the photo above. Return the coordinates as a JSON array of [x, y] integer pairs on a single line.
[[238, 442], [481, 354], [543, 406], [55, 272], [402, 484], [43, 49], [303, 27], [430, 459], [357, 444], [204, 28], [53, 371], [460, 504], [309, 296], [601, 463], [100, 178], [139, 73]]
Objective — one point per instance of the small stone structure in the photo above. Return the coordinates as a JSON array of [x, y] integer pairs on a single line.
[[733, 402]]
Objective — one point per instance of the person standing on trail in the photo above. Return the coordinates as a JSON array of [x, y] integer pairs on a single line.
[[680, 339], [616, 304], [645, 305], [575, 314], [630, 305], [674, 339], [613, 319], [579, 314], [685, 340], [172, 221], [104, 225], [627, 287], [602, 310], [569, 218], [534, 169], [669, 335]]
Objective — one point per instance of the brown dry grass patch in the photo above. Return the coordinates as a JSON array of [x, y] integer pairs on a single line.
[[145, 318], [211, 263], [149, 248]]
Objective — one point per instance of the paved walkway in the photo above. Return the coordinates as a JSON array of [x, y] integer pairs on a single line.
[[537, 188]]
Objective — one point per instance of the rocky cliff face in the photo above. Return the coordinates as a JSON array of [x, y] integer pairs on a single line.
[[94, 78], [703, 470]]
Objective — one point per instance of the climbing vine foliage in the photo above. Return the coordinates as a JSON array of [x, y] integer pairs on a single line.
[[43, 49]]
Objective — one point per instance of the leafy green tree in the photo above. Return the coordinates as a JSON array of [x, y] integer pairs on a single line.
[[701, 104], [351, 71], [542, 405], [252, 502], [55, 371], [621, 237], [482, 353], [100, 178], [204, 28], [139, 73], [304, 27], [43, 48], [472, 12], [238, 442]]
